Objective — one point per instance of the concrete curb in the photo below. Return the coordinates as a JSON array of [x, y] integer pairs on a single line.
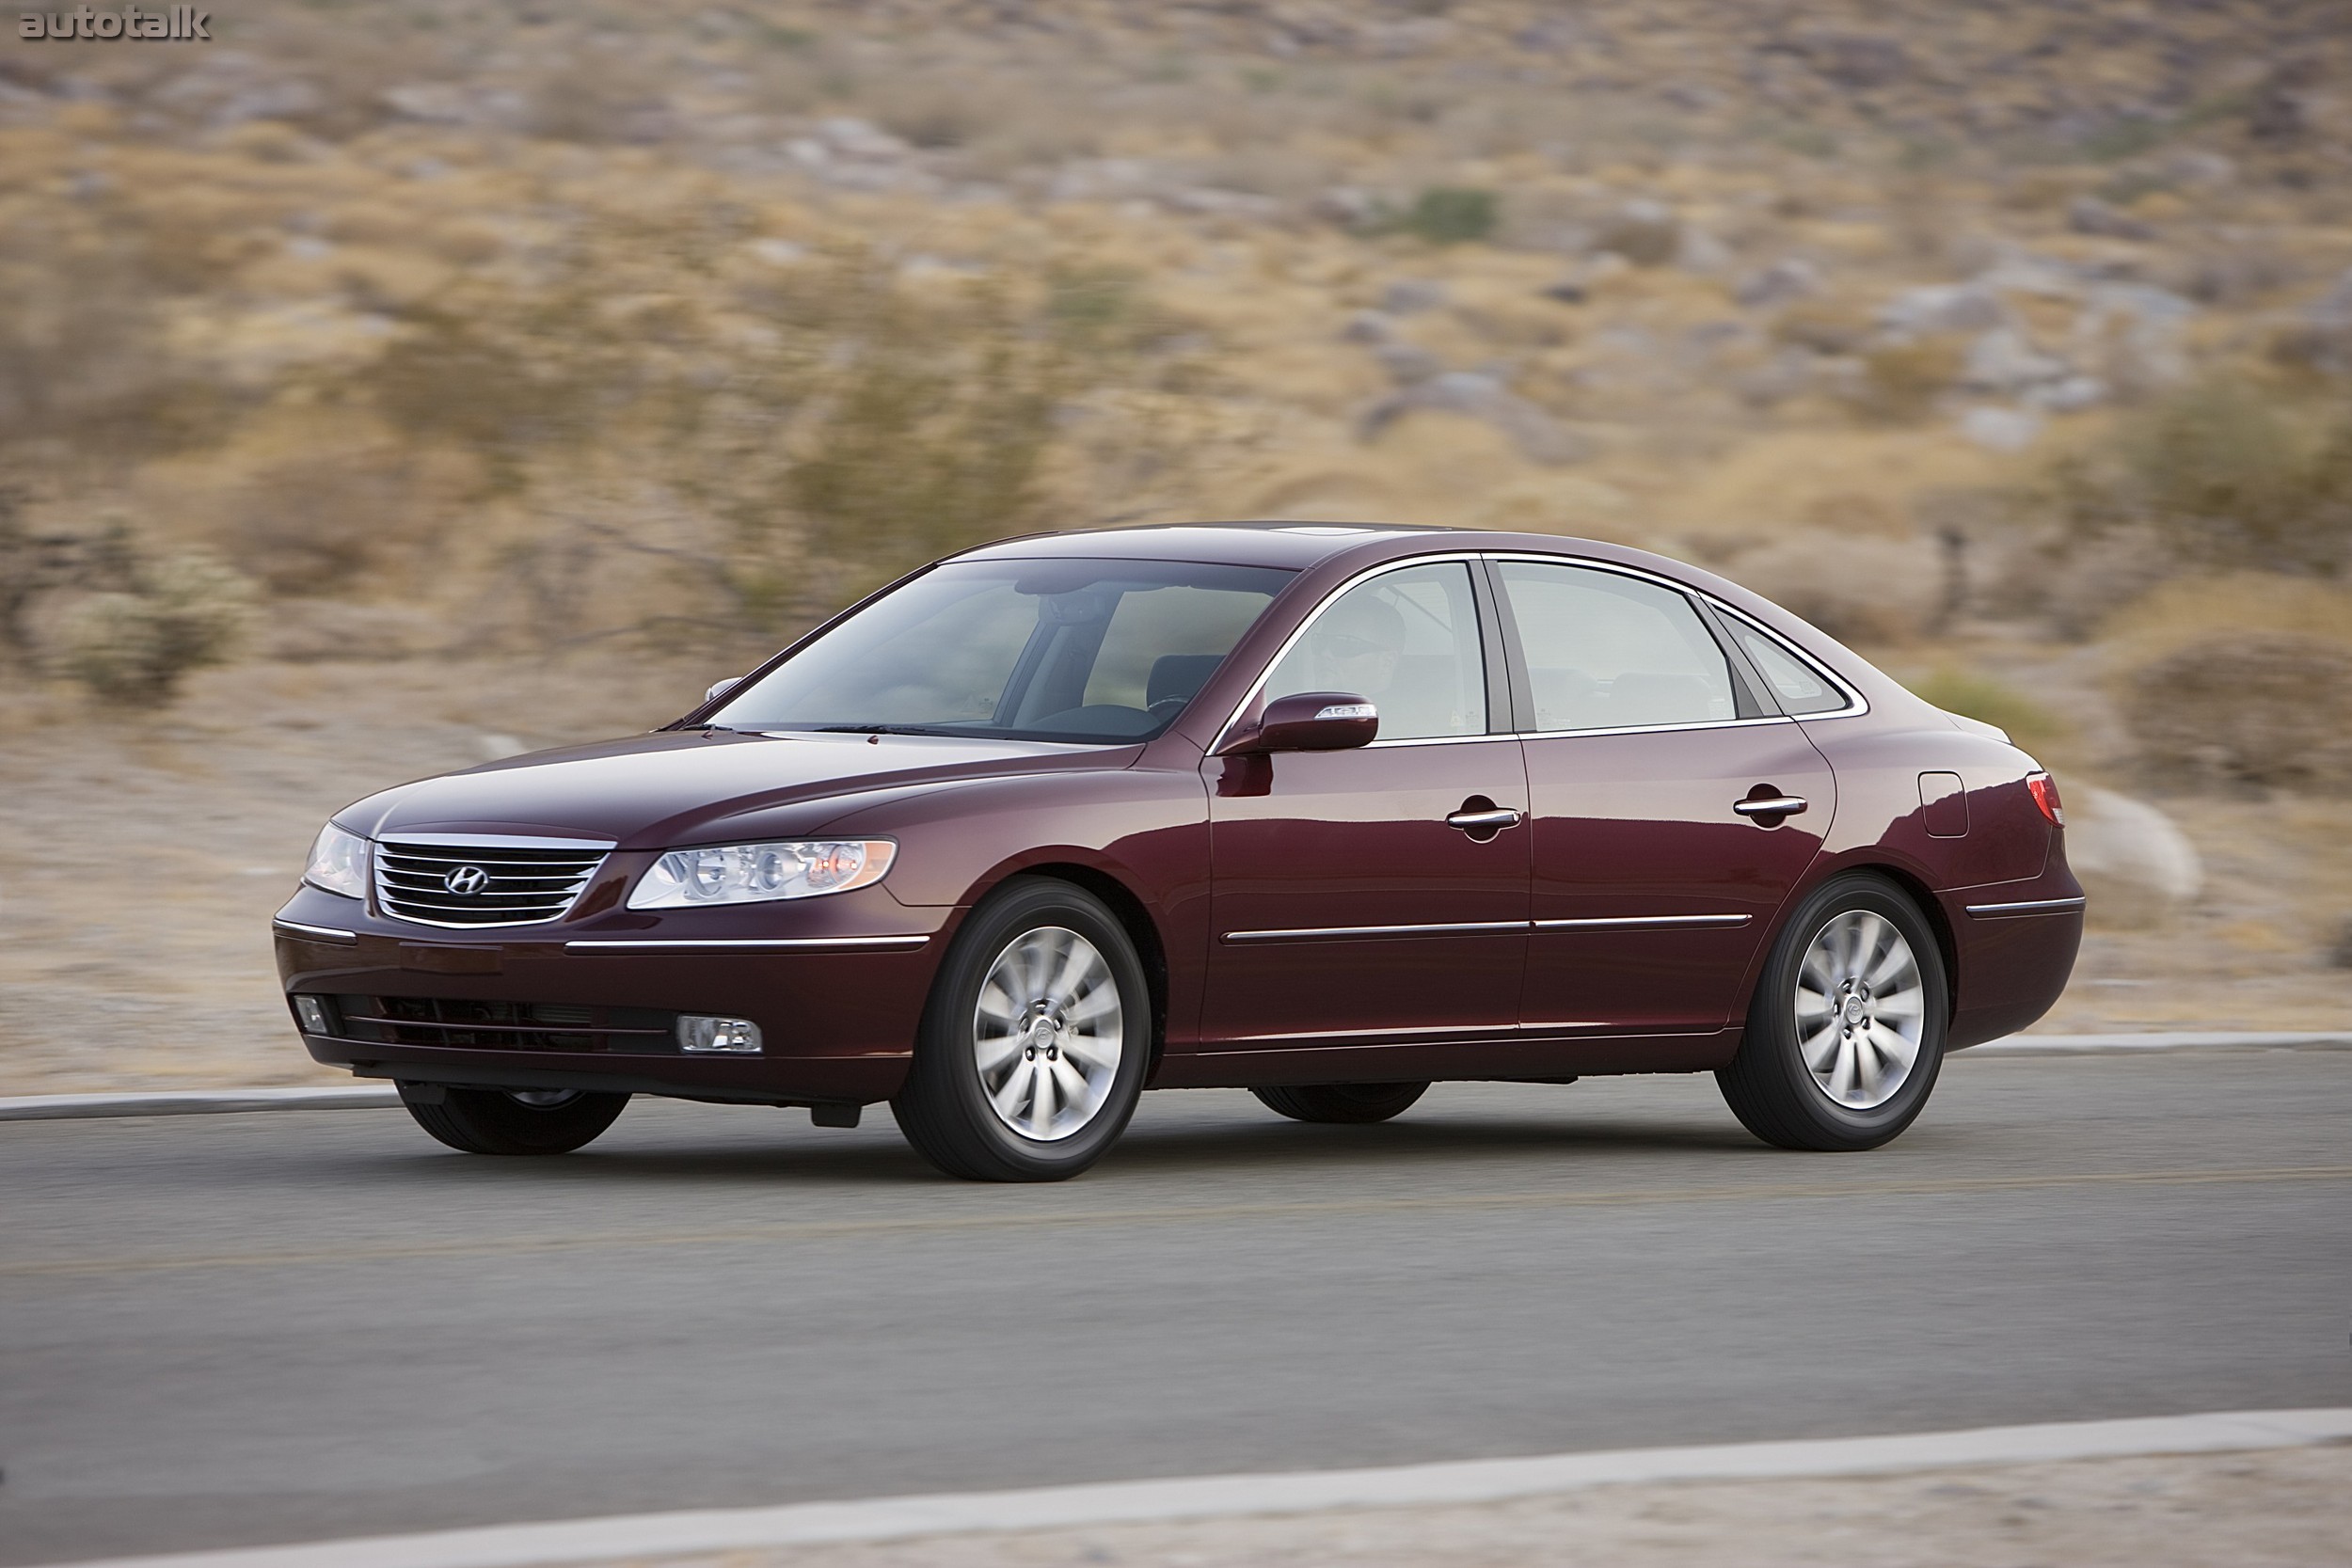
[[2077, 1045], [1304, 1492], [181, 1102]]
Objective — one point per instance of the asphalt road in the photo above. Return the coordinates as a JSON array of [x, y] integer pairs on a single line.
[[236, 1329]]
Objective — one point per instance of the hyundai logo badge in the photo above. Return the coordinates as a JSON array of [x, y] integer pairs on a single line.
[[466, 880]]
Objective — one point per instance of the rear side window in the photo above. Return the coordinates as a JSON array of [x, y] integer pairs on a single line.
[[1801, 688], [1606, 652]]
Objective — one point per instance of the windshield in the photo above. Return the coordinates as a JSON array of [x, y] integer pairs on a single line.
[[1093, 651]]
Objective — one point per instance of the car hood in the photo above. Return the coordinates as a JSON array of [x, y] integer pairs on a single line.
[[689, 786]]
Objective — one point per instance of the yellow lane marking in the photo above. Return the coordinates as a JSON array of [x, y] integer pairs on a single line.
[[828, 1230]]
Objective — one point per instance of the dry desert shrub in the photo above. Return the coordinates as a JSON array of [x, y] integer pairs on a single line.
[[2246, 708], [2224, 474], [1858, 589], [134, 647]]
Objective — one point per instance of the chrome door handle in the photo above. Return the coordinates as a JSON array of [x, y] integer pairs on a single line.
[[1777, 805], [1484, 821]]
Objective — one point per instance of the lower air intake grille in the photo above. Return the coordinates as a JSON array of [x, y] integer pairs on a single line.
[[484, 883], [504, 1026]]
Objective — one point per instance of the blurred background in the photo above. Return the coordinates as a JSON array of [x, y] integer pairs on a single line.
[[387, 388]]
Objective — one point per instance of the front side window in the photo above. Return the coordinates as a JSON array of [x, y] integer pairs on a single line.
[[1604, 651], [1407, 639], [1104, 652]]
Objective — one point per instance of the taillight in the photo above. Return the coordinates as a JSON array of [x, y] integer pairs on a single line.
[[2046, 795]]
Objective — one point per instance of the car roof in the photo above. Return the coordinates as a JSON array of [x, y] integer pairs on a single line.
[[1292, 544]]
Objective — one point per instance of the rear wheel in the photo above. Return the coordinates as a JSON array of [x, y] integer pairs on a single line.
[[1354, 1103], [1846, 1032], [512, 1121], [1035, 1042]]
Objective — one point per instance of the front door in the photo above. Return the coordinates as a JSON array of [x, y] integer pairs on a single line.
[[1348, 909], [1652, 890]]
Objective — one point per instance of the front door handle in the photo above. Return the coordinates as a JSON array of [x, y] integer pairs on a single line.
[[1772, 805], [1475, 822]]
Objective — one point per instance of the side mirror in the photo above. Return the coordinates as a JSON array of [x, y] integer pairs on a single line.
[[1310, 721], [720, 689]]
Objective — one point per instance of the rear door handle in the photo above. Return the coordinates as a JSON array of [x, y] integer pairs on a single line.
[[1773, 805], [1484, 821]]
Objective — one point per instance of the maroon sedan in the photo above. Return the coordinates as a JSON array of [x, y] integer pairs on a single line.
[[1326, 812]]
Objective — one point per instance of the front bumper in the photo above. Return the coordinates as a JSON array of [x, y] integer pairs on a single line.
[[838, 987]]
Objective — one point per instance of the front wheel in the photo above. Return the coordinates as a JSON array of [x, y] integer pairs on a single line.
[[511, 1121], [1035, 1042], [1846, 1032]]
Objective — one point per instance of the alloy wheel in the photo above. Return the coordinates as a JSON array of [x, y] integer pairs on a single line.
[[1861, 1008], [1047, 1032]]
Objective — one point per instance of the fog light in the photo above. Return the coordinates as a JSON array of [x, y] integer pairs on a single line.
[[311, 1013], [738, 1035]]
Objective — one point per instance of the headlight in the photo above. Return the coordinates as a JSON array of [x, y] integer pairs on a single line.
[[339, 863], [756, 872]]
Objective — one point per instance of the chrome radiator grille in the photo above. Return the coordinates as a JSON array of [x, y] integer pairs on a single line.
[[483, 881]]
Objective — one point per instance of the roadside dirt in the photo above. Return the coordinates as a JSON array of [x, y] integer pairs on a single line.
[[2253, 1511]]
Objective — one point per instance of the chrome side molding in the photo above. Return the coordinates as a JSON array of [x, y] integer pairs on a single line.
[[2031, 906], [739, 944]]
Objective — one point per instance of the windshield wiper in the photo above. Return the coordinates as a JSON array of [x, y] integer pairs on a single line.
[[867, 729]]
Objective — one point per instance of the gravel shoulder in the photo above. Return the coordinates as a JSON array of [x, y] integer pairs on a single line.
[[2284, 1507]]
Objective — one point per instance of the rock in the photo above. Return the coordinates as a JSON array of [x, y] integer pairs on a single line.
[[2088, 215], [1408, 296], [2135, 863], [2321, 337], [2069, 396], [778, 252], [1534, 432], [2139, 328], [1348, 206], [453, 103], [2001, 429], [1408, 364], [1943, 307], [1791, 277], [1647, 233], [1701, 252], [2005, 361], [1566, 291], [859, 139], [1856, 61], [1370, 327], [2196, 166]]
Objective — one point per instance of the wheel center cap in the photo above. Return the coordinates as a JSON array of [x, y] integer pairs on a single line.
[[1854, 1009]]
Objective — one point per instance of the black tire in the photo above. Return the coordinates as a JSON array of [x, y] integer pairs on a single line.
[[946, 1111], [493, 1121], [1769, 1085], [1352, 1104]]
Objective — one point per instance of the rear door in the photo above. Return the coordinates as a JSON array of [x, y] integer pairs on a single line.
[[1652, 888], [1348, 909]]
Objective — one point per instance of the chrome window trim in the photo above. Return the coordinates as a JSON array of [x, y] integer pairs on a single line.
[[1664, 729], [770, 944], [2027, 906], [1329, 933], [1225, 731], [1643, 921], [1705, 598], [1856, 703], [327, 933]]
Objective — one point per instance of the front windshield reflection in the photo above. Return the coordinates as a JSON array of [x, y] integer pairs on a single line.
[[1102, 651]]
